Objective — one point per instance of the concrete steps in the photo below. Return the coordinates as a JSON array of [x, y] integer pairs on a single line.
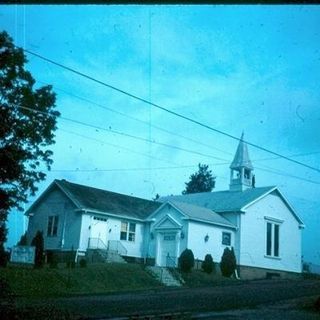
[[163, 275], [107, 256]]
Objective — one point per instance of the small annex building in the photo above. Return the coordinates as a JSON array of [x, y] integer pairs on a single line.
[[256, 222]]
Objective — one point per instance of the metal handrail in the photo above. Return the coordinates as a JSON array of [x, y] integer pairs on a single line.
[[96, 243], [115, 245], [171, 262]]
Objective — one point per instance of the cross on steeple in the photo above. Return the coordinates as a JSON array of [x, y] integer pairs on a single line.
[[241, 168]]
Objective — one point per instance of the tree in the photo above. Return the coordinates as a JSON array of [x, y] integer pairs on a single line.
[[201, 181], [208, 264], [186, 260], [156, 197], [38, 242], [28, 122], [228, 262]]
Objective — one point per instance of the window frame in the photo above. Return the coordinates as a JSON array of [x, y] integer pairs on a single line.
[[52, 226], [129, 234], [226, 233], [272, 238]]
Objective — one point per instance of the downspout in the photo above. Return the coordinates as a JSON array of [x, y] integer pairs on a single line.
[[146, 242], [239, 244], [64, 226]]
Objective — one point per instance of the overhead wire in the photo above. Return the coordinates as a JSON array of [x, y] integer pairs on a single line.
[[117, 146], [168, 110], [137, 120], [123, 134], [79, 122], [165, 130]]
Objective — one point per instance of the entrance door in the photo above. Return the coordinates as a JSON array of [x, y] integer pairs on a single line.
[[168, 250], [98, 237]]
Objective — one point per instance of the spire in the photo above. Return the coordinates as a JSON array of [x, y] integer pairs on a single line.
[[241, 167], [241, 158]]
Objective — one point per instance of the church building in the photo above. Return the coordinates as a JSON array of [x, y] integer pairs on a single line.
[[256, 221]]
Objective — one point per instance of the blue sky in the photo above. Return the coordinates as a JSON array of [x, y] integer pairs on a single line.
[[236, 68]]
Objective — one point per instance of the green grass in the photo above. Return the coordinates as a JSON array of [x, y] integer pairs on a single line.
[[95, 279], [199, 278]]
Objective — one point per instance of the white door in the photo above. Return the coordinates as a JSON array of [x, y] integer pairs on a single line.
[[99, 233], [168, 249]]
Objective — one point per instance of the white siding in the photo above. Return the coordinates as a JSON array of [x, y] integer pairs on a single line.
[[113, 227], [214, 246], [167, 210], [235, 218], [85, 232], [253, 236]]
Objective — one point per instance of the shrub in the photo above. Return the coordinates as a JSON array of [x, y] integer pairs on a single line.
[[186, 260], [37, 242], [228, 262], [4, 256], [207, 264], [83, 263]]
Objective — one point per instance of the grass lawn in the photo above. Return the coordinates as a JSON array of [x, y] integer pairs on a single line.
[[94, 279], [199, 278]]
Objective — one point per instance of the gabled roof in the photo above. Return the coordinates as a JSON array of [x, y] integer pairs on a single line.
[[230, 201], [201, 214], [221, 201], [241, 158], [89, 198]]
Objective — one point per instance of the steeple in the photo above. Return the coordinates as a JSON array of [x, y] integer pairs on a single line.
[[241, 168]]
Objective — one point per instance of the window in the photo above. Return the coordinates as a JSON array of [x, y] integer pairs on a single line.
[[272, 245], [52, 226], [99, 218], [128, 231], [226, 238]]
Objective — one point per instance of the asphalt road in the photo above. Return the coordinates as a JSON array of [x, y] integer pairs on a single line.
[[185, 301]]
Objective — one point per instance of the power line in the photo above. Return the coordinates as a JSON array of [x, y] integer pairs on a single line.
[[79, 122], [168, 110], [124, 134], [293, 155], [136, 119], [116, 146], [267, 169], [165, 130], [278, 172], [129, 169]]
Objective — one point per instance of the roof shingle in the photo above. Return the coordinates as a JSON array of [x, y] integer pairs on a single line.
[[221, 201], [107, 201], [200, 213]]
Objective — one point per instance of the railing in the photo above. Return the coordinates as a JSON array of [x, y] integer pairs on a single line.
[[115, 245], [79, 253], [171, 262], [96, 243]]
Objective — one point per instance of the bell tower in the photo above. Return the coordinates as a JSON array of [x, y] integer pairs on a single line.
[[241, 177]]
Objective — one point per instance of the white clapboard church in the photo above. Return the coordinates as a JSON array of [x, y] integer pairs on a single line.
[[258, 222]]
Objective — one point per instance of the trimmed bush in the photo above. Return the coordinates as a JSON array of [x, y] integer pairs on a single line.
[[186, 260], [228, 262], [38, 242], [208, 265], [4, 256]]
